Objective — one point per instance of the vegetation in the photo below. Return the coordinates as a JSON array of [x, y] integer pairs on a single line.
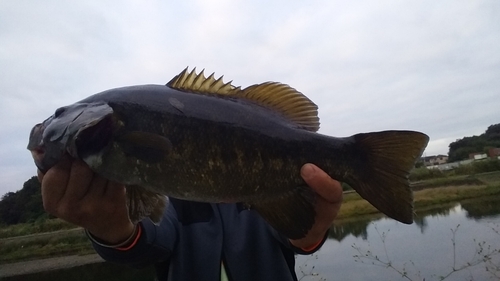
[[476, 167], [41, 246], [41, 225], [24, 205], [451, 189], [460, 149]]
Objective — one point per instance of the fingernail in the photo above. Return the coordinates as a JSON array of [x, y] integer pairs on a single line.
[[307, 171]]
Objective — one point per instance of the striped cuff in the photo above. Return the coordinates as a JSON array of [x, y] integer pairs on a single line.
[[123, 246]]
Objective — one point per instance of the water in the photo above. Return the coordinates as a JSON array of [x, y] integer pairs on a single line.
[[424, 249]]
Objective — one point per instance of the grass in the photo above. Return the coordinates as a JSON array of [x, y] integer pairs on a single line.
[[492, 177], [448, 181], [40, 226], [42, 246], [451, 189], [449, 194]]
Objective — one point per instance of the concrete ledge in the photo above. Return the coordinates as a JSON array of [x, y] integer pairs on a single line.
[[34, 266]]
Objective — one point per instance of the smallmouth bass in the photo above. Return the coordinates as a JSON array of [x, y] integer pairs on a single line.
[[200, 139]]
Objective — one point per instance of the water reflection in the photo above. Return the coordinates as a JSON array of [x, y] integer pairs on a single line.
[[474, 208], [488, 207], [357, 228], [424, 250]]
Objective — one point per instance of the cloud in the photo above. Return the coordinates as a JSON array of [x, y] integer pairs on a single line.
[[428, 66]]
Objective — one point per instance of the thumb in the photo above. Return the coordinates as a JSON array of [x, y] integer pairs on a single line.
[[322, 183]]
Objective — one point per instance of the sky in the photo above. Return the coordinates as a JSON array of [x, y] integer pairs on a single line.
[[430, 66]]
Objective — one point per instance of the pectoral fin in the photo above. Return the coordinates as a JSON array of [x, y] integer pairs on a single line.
[[145, 146], [291, 214], [143, 203]]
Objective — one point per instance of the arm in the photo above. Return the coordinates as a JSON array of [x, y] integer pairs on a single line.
[[72, 192]]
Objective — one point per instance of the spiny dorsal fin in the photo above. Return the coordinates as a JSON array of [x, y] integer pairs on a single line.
[[279, 97], [286, 100], [198, 83]]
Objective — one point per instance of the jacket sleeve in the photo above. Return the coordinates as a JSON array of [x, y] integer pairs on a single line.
[[286, 242], [155, 244]]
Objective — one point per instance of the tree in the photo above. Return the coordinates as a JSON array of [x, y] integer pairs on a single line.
[[9, 209], [493, 132], [461, 148], [22, 206]]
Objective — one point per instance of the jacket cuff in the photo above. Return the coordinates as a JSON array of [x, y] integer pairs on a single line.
[[312, 249]]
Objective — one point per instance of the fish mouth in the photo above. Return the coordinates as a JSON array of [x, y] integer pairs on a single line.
[[38, 154], [44, 156], [77, 129], [36, 136], [35, 144], [36, 147]]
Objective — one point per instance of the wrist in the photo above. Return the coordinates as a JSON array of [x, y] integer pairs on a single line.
[[310, 242], [115, 237]]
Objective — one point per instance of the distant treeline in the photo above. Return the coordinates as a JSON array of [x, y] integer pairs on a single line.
[[460, 149], [476, 167], [24, 205]]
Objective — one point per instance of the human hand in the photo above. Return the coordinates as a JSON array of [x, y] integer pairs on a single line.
[[72, 192], [328, 201]]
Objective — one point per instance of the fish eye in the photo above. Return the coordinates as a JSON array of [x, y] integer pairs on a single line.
[[59, 111]]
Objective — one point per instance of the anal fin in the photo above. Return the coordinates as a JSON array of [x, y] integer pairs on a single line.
[[291, 214], [143, 203]]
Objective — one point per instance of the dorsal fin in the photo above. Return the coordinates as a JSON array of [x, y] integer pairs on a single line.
[[281, 98], [286, 100], [198, 83]]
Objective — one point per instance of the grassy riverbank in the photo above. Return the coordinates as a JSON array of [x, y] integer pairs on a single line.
[[436, 192], [40, 226], [51, 238], [44, 245]]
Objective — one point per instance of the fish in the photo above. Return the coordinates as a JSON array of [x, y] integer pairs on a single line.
[[200, 139]]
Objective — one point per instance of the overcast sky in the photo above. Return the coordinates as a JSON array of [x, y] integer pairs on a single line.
[[431, 66]]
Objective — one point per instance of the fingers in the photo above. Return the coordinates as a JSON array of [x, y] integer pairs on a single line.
[[79, 181], [74, 193], [327, 206], [68, 184], [322, 183], [54, 184], [97, 188], [115, 191], [39, 175]]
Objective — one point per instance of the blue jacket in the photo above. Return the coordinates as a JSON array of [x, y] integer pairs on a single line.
[[193, 238]]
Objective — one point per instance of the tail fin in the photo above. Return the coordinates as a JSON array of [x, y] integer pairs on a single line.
[[381, 175]]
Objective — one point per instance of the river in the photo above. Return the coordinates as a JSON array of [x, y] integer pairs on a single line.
[[424, 250]]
